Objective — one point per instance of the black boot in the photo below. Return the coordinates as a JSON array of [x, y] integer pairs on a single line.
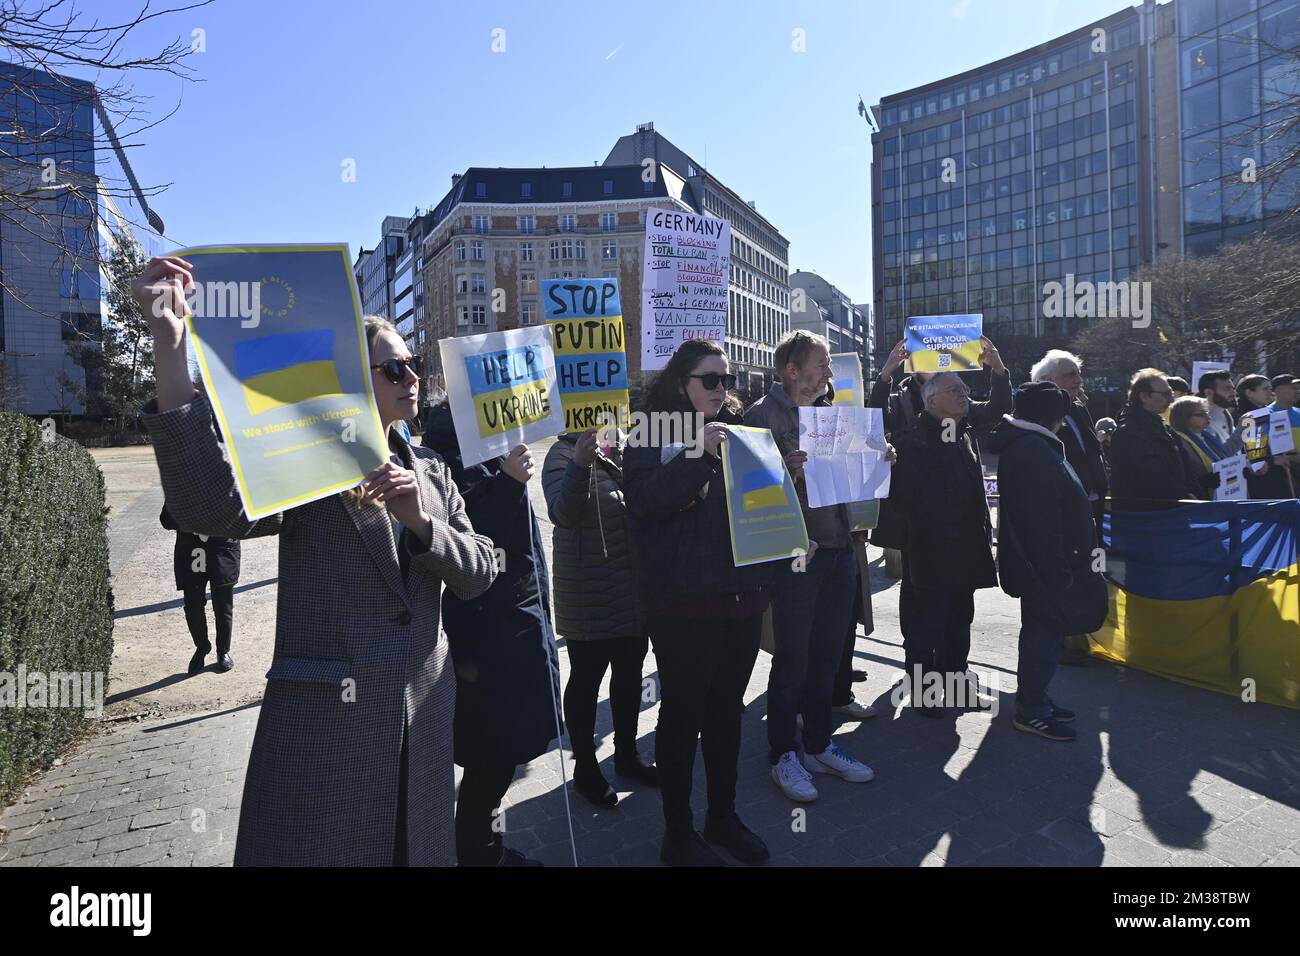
[[196, 662], [635, 767], [225, 662], [592, 785], [689, 850], [736, 838]]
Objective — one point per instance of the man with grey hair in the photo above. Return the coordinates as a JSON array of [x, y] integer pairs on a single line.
[[1083, 452]]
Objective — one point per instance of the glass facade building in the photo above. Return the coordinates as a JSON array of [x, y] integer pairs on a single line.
[[1235, 71], [988, 185]]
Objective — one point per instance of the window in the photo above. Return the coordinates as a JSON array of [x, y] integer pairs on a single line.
[[609, 274], [529, 280], [607, 188], [478, 282], [476, 249], [462, 282], [525, 252], [460, 250], [567, 189], [481, 224], [528, 313], [480, 190], [568, 223], [462, 315], [527, 225], [609, 221], [580, 248], [568, 249], [526, 190], [648, 186], [609, 249], [478, 313]]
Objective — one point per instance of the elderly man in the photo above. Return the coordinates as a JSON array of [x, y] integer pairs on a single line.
[[1146, 467], [1078, 432], [938, 489]]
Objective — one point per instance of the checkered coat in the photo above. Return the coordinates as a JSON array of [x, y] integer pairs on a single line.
[[357, 653]]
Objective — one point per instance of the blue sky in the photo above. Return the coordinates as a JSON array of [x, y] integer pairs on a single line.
[[412, 91]]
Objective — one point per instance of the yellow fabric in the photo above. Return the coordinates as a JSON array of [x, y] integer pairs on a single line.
[[1218, 642], [1187, 439]]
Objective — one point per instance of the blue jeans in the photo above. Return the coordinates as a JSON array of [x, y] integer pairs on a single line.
[[811, 610], [1040, 651]]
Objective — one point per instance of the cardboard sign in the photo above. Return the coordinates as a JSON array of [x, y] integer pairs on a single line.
[[279, 338], [503, 389], [586, 319], [944, 343], [1200, 368], [762, 505], [685, 277], [1280, 437], [1232, 482], [846, 367]]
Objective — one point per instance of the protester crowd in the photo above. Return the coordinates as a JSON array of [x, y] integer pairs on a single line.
[[366, 708]]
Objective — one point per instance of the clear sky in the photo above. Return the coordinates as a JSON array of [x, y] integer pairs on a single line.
[[412, 91]]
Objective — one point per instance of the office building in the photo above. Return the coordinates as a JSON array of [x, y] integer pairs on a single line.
[[830, 313]]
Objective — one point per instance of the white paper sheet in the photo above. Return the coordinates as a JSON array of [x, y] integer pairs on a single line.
[[1232, 483], [846, 454]]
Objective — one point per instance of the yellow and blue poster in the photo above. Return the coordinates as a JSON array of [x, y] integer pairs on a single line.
[[762, 506], [1208, 594], [503, 390], [944, 343], [279, 339], [586, 319], [846, 371]]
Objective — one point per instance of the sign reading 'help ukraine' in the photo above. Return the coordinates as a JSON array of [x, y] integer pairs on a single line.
[[279, 338], [502, 389]]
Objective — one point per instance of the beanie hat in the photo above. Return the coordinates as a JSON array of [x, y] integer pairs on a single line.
[[1042, 403]]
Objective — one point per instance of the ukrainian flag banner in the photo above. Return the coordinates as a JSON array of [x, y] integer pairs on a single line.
[[1208, 594], [503, 391], [762, 506], [279, 339], [846, 367]]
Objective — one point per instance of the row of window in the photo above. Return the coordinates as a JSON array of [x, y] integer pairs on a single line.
[[1049, 174], [566, 189], [1031, 71], [527, 224]]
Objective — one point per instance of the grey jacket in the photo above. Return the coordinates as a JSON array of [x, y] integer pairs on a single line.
[[593, 566], [358, 659], [777, 412]]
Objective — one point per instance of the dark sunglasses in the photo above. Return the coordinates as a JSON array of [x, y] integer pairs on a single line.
[[710, 380], [395, 369]]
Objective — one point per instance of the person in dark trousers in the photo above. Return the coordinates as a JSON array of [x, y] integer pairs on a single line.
[[597, 609], [1046, 542], [938, 489], [502, 646], [812, 603], [1146, 467], [705, 613], [201, 560]]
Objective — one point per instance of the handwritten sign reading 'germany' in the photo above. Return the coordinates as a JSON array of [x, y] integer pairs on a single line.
[[586, 318], [684, 282]]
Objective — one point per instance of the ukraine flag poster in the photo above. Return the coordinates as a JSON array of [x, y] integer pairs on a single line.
[[762, 506], [279, 339]]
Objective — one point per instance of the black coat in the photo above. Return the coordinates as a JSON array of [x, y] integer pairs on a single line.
[[595, 572], [1046, 533], [902, 410], [507, 669], [683, 541], [1146, 466], [1087, 460], [938, 490], [220, 557]]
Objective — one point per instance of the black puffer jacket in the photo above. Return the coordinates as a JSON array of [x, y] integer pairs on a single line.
[[1146, 467], [937, 489], [594, 573], [684, 542]]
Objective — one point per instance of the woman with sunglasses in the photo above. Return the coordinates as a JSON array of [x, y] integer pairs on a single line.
[[351, 764], [1200, 447], [705, 613], [507, 670]]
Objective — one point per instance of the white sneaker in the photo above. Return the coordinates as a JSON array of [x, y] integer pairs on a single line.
[[854, 710], [793, 779], [835, 759]]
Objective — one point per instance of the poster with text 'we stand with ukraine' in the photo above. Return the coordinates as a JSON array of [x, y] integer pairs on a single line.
[[278, 335], [762, 506], [685, 276], [944, 343], [586, 320], [503, 390]]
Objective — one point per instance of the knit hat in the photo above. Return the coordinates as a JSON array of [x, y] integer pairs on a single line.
[[1042, 403]]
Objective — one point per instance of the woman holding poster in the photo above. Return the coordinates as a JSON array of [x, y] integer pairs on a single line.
[[351, 764], [705, 613]]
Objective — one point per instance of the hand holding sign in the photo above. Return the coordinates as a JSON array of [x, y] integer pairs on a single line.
[[519, 464], [990, 356], [396, 488]]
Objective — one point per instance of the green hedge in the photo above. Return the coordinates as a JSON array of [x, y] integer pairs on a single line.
[[56, 607]]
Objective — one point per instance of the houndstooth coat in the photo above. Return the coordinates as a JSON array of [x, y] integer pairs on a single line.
[[323, 774]]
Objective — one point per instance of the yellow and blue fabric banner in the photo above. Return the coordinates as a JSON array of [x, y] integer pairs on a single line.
[[1208, 594], [503, 390], [846, 369], [586, 318], [279, 339], [762, 506]]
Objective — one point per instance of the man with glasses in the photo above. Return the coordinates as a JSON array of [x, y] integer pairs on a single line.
[[1146, 466], [812, 603], [938, 489]]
